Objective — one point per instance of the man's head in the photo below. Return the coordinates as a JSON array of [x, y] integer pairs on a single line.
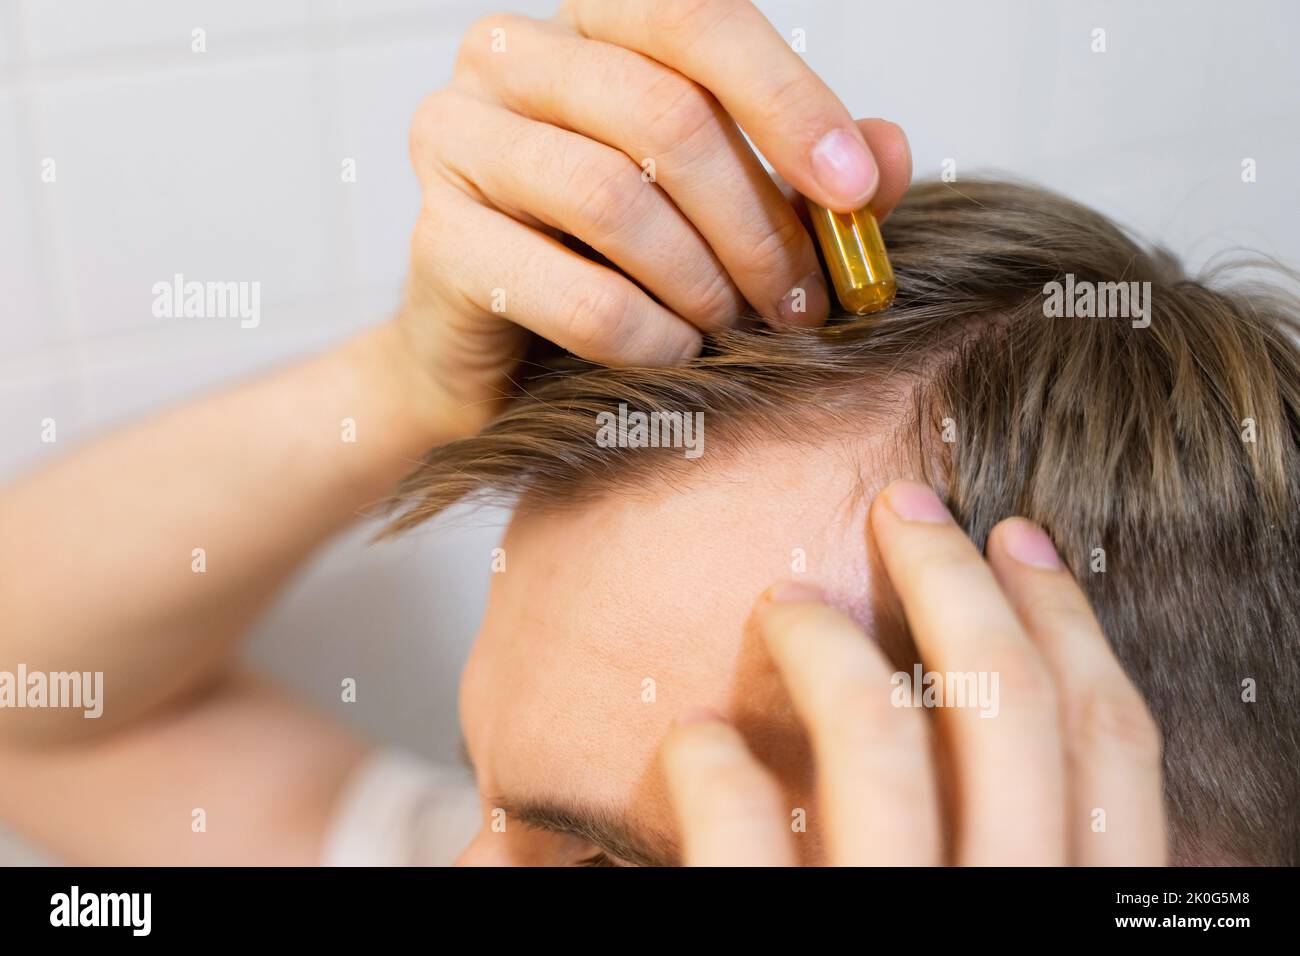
[[1153, 430]]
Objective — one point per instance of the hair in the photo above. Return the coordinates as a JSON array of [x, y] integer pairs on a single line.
[[1171, 452]]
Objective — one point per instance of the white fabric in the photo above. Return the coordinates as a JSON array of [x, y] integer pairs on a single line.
[[400, 810]]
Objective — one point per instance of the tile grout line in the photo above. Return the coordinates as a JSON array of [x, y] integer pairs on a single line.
[[378, 30], [325, 42], [48, 296], [355, 315]]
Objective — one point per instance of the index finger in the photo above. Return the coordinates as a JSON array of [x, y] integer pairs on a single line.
[[730, 48]]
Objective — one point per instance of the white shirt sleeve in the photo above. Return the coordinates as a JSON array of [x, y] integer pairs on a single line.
[[400, 810]]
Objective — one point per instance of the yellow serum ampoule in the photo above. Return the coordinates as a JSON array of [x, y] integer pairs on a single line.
[[855, 255]]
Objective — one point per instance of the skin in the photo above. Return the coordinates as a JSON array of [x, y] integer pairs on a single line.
[[753, 688], [665, 593], [257, 476]]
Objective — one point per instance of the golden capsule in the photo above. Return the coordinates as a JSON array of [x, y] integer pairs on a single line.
[[855, 255]]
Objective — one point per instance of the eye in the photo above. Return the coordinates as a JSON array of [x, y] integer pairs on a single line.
[[601, 858]]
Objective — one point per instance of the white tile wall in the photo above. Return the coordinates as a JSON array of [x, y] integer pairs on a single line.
[[225, 165], [8, 38], [57, 32], [1152, 131], [20, 285], [41, 419], [380, 85], [213, 172], [397, 619]]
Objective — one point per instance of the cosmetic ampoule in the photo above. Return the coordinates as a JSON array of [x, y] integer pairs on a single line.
[[855, 255]]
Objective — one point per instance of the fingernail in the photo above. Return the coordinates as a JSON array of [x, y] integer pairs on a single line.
[[794, 592], [807, 299], [698, 715], [844, 167], [913, 501], [1029, 544]]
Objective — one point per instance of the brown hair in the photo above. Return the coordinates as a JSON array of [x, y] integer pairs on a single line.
[[1174, 448]]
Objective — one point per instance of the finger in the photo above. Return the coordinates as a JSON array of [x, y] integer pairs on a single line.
[[999, 717], [889, 145], [598, 194], [503, 270], [729, 48], [675, 131], [1116, 797], [875, 779], [893, 154], [729, 808]]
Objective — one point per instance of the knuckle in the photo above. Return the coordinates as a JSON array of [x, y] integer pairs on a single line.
[[1115, 718], [793, 94], [1061, 610], [945, 554], [777, 252], [678, 112], [429, 117], [864, 715], [426, 239], [612, 202], [1024, 681], [476, 45], [1059, 605], [597, 316], [713, 301], [794, 103], [688, 19]]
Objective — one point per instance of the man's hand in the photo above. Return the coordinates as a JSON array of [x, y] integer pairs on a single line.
[[1069, 746], [617, 124]]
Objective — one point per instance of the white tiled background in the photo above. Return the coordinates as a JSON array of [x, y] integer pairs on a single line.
[[226, 164]]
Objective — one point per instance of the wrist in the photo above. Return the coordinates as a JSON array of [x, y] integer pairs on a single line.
[[411, 400]]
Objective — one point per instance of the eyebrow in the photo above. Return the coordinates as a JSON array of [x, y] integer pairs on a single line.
[[602, 829]]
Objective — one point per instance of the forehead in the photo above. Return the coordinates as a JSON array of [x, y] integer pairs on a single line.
[[611, 619]]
